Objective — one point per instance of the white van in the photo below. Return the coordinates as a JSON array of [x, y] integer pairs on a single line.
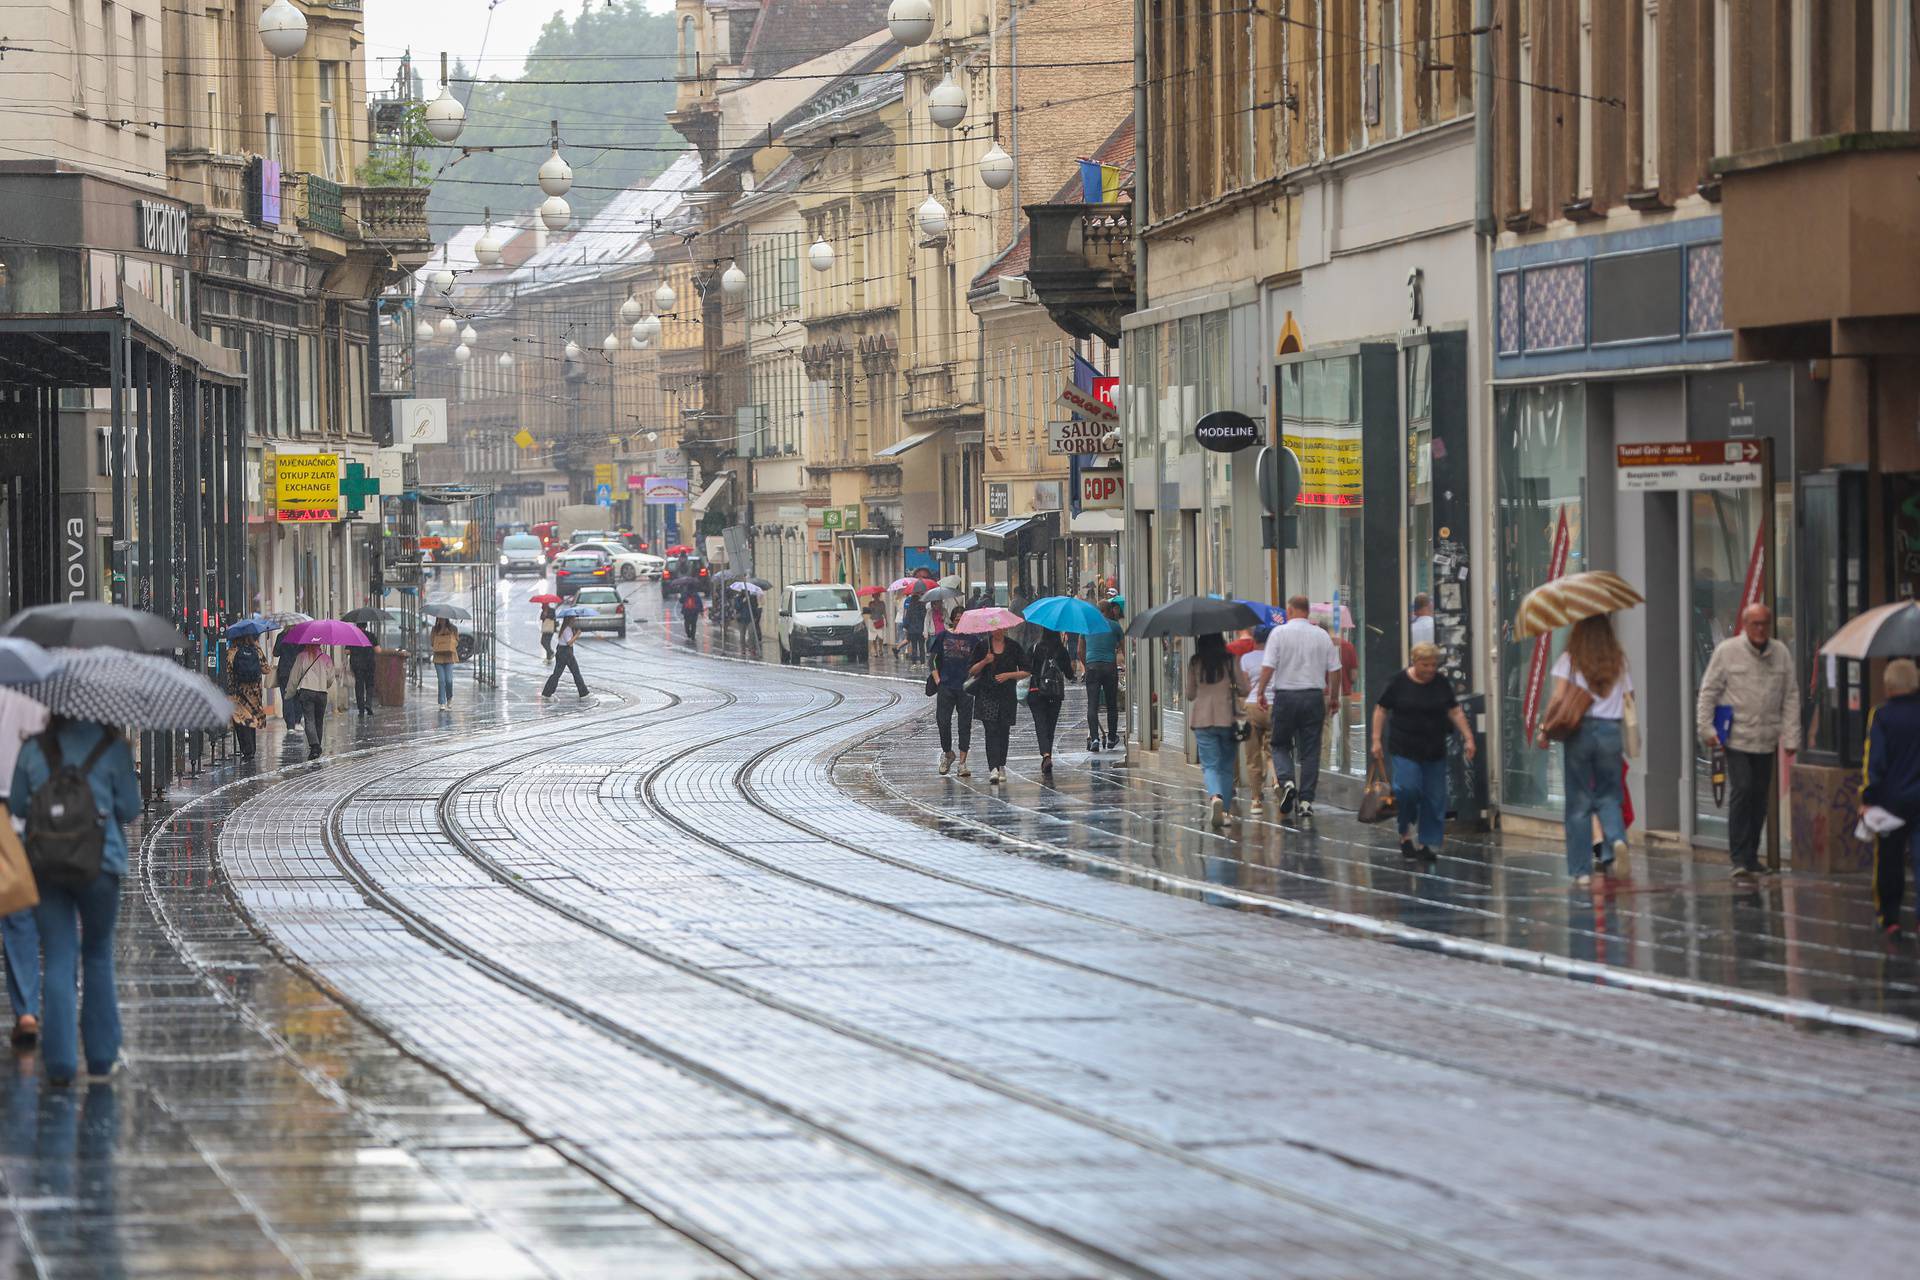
[[821, 618], [522, 553]]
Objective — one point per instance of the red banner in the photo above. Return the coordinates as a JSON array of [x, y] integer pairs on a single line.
[[1543, 645], [1755, 590]]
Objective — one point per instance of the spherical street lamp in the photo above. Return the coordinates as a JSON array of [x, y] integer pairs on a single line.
[[573, 351], [932, 217], [462, 353], [947, 104], [910, 21], [820, 256], [447, 328], [556, 175], [486, 250], [653, 328], [996, 168], [445, 117], [664, 298], [283, 29], [640, 335], [555, 213], [468, 336], [424, 330], [733, 281], [506, 360], [630, 310]]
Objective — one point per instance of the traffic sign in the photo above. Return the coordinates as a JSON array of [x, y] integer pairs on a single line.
[[603, 494], [1690, 464]]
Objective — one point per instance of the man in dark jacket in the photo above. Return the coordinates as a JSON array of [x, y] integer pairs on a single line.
[[284, 655], [360, 662], [1891, 780]]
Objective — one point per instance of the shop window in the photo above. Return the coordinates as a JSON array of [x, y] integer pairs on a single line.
[[1833, 589], [1541, 448]]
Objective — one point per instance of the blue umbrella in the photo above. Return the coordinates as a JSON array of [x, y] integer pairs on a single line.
[[254, 626], [1267, 612], [575, 611], [23, 662], [1065, 613]]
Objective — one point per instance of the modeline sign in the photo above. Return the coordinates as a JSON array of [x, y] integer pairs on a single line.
[[306, 487]]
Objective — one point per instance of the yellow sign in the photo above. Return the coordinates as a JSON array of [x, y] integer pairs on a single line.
[[306, 486], [603, 473], [1329, 465], [523, 438]]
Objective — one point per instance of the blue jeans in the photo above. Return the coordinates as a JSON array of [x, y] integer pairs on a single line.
[[1592, 764], [22, 939], [1420, 799], [1217, 753], [76, 933], [443, 671]]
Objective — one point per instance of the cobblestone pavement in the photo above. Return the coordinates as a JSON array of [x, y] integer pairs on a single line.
[[633, 985]]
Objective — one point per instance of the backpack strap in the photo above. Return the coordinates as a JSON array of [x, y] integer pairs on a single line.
[[50, 748], [107, 738]]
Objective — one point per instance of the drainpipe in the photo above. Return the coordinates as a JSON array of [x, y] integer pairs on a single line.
[[1484, 539], [1482, 117], [1132, 582]]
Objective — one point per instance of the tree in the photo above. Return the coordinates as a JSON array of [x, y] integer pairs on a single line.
[[405, 157]]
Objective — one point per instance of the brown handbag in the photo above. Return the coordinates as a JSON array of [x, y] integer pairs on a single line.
[[18, 891], [1376, 803], [1568, 707]]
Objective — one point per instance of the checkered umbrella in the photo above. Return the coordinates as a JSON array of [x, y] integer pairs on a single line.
[[131, 691]]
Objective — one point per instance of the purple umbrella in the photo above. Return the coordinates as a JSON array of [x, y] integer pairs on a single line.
[[325, 631]]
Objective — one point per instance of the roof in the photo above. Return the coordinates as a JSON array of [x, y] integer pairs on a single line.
[[612, 236], [1117, 150], [790, 32], [852, 100]]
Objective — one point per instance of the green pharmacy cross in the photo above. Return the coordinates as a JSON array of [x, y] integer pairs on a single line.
[[356, 486]]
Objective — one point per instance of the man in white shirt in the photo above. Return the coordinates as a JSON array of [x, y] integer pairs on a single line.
[[1422, 630], [1301, 667]]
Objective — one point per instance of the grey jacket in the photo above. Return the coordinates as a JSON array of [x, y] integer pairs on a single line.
[[1761, 688]]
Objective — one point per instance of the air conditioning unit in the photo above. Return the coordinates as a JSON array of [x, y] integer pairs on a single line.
[[1016, 289]]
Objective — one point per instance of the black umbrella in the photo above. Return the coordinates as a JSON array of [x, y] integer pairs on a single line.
[[1192, 616], [361, 617], [89, 624], [684, 584]]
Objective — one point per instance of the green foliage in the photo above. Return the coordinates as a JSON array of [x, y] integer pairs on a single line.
[[405, 158], [508, 113]]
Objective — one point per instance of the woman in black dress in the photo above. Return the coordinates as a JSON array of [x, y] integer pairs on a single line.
[[1052, 668], [1001, 665]]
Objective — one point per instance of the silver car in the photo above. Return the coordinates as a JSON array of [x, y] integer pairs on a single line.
[[609, 610]]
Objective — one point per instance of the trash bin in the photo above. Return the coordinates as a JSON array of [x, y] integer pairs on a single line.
[[390, 677]]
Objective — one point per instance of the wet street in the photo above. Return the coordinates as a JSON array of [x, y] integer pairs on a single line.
[[708, 975]]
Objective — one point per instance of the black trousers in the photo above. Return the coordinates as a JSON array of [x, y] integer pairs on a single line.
[[692, 623], [1748, 773], [245, 740], [546, 643], [563, 660], [1046, 718], [313, 713], [946, 704], [1103, 681], [998, 732], [1891, 853], [363, 690]]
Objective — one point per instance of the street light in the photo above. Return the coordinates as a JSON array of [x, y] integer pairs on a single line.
[[640, 335], [468, 336], [424, 330], [443, 278], [506, 360], [556, 175], [610, 344], [733, 281], [462, 353], [445, 117], [932, 217], [653, 328], [486, 250], [555, 213], [947, 104], [664, 298], [447, 328], [572, 351], [283, 29], [630, 310], [996, 167], [821, 255], [910, 21]]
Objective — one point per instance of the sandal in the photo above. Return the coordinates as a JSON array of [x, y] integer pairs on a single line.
[[26, 1031]]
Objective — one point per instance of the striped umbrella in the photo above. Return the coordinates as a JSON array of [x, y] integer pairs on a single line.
[[1565, 601], [1890, 631], [131, 691]]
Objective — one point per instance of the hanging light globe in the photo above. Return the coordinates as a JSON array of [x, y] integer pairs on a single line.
[[462, 353], [610, 344], [664, 298], [733, 281], [468, 336], [653, 328], [637, 343], [947, 104], [486, 250], [644, 254], [556, 175], [442, 279], [445, 117], [424, 330], [573, 350], [506, 360], [910, 21], [641, 336], [932, 217], [630, 310], [555, 213], [996, 167], [447, 328], [283, 29], [820, 256]]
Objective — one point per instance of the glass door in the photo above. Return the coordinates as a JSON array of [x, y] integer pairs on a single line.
[[1730, 564]]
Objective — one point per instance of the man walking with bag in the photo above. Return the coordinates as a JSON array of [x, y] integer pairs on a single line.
[[1752, 675], [1301, 667]]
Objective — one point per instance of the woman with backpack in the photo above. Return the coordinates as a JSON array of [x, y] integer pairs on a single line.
[[76, 785], [1215, 688], [20, 718], [245, 669], [691, 607], [1052, 668], [445, 639]]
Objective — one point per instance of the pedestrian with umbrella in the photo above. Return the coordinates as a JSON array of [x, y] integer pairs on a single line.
[[246, 672], [444, 640], [75, 785], [1000, 664], [953, 656], [1588, 711], [92, 625], [691, 607], [1300, 684], [548, 622], [1214, 690], [563, 658], [21, 661], [311, 673], [1890, 789], [1097, 641], [1749, 705], [1052, 664]]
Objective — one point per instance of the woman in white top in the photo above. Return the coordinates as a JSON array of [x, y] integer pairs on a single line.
[[1593, 662]]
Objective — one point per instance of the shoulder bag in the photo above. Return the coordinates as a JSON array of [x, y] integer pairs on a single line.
[[1376, 804], [1567, 709], [1630, 729]]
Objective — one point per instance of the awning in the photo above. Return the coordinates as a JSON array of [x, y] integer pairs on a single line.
[[895, 450], [708, 494], [1005, 535], [964, 545]]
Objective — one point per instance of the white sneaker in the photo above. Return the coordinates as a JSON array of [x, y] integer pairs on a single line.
[[1304, 809], [1216, 812], [963, 771], [1256, 810], [946, 762]]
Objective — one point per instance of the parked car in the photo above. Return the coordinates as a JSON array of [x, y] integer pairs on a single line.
[[522, 553], [820, 618], [609, 610], [574, 570], [628, 565]]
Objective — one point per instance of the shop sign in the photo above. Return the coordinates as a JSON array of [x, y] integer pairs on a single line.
[[558, 486], [306, 487], [830, 517], [1227, 431], [999, 501], [603, 474], [1081, 436], [1329, 465], [390, 466], [1101, 490], [666, 491], [850, 518], [79, 576], [161, 228], [1690, 464], [418, 422], [263, 191], [1046, 495], [637, 482], [1090, 404]]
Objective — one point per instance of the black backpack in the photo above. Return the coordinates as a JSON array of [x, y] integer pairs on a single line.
[[1049, 682], [66, 837], [246, 664]]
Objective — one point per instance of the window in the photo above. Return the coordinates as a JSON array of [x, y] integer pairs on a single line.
[[273, 137], [1584, 141], [789, 267], [77, 42], [1800, 23], [1525, 130], [329, 137], [1722, 78], [142, 103], [109, 59], [1650, 95], [213, 120], [1893, 39]]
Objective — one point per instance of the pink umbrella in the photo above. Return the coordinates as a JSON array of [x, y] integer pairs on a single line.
[[909, 584], [326, 631], [979, 621]]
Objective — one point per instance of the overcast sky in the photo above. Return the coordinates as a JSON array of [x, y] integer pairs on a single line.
[[459, 28]]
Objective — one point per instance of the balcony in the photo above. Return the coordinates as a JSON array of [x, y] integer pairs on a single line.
[[395, 214], [215, 183], [1081, 267]]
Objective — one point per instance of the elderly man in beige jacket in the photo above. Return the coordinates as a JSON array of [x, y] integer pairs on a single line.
[[1753, 674]]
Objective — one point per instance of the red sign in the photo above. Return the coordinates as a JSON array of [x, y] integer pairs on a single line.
[[1104, 389], [1687, 453], [297, 516], [1542, 645]]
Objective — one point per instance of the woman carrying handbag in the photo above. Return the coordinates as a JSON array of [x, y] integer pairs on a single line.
[[1591, 688], [1411, 750], [1001, 664]]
